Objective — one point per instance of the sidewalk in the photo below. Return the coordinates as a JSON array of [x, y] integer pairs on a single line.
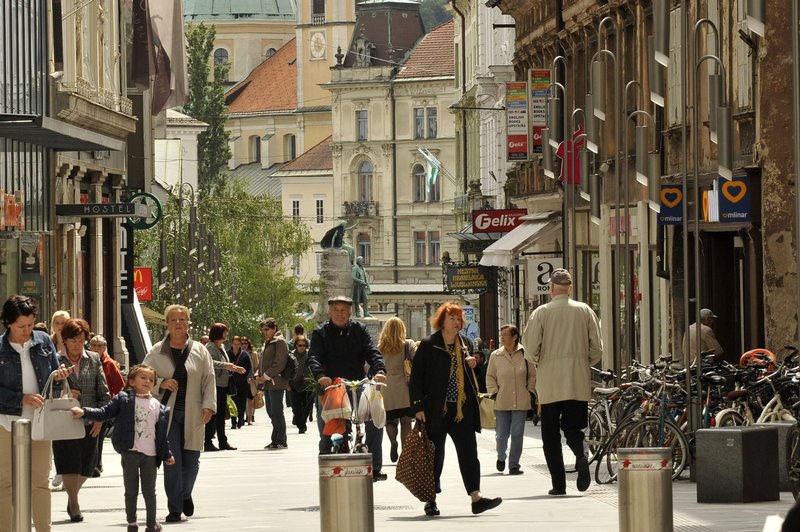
[[254, 489]]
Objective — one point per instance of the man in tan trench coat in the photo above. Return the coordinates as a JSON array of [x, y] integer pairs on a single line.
[[563, 340]]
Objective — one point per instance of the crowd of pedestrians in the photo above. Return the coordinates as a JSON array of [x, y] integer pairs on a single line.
[[187, 393]]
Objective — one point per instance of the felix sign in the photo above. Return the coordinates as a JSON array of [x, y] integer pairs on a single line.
[[496, 221]]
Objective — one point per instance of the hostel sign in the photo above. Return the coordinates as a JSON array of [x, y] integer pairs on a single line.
[[468, 278]]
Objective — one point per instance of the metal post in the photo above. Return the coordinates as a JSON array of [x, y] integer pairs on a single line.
[[645, 489], [345, 493], [796, 115], [21, 476]]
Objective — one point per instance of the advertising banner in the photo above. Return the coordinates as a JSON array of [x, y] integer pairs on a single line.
[[496, 221], [539, 83], [671, 205], [517, 121], [539, 271], [734, 199], [143, 283]]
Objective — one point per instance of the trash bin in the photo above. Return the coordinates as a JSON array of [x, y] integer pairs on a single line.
[[345, 493], [645, 489]]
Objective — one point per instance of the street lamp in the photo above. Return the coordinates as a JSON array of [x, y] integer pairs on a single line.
[[599, 107]]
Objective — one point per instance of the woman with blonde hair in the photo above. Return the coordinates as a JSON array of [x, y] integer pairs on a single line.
[[396, 351], [58, 320]]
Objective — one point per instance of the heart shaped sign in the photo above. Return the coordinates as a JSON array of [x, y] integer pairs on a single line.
[[671, 196], [734, 190]]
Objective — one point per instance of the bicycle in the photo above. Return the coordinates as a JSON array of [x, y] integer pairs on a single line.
[[341, 442]]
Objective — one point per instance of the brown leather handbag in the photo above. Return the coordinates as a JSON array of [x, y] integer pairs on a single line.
[[415, 465]]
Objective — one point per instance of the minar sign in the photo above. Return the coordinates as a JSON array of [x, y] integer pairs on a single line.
[[496, 221]]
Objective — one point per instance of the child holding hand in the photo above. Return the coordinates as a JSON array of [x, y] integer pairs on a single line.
[[140, 436]]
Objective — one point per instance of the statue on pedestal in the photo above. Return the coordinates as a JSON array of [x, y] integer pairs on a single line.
[[361, 289]]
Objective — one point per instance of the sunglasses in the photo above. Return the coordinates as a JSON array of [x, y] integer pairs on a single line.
[[301, 345]]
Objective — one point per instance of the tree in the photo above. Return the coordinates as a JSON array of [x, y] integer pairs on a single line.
[[433, 13], [256, 243], [207, 104]]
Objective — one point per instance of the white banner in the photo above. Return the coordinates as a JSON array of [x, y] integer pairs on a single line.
[[539, 271]]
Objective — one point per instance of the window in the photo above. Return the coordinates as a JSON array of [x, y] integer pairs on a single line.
[[433, 247], [296, 266], [255, 149], [433, 192], [419, 247], [419, 183], [419, 123], [220, 56], [432, 122], [269, 53], [320, 210], [365, 181], [318, 7], [296, 209], [318, 261], [364, 248], [289, 147], [362, 125]]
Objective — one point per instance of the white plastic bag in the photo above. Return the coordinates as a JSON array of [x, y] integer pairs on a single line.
[[363, 405], [376, 408]]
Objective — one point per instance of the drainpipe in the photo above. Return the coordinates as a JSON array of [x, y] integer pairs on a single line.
[[394, 175], [463, 88]]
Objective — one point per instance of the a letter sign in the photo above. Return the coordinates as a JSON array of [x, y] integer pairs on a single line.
[[539, 272], [143, 283], [103, 210], [496, 221]]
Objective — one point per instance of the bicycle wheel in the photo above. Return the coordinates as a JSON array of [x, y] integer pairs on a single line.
[[605, 470], [793, 460], [731, 418], [652, 432], [597, 434]]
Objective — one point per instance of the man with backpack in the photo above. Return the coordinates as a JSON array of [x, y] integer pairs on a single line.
[[341, 347], [274, 359]]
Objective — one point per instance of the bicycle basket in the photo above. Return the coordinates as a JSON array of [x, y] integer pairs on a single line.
[[760, 394]]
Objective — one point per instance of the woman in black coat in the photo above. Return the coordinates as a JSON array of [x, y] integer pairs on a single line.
[[444, 395]]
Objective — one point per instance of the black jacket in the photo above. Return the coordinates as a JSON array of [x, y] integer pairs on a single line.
[[336, 352], [430, 372], [122, 408]]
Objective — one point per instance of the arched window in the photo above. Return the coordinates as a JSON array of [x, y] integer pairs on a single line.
[[220, 56], [418, 177], [269, 53], [365, 181], [364, 248], [433, 192], [255, 149]]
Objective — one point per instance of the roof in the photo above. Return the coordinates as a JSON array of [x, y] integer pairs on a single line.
[[384, 33], [271, 86], [213, 10], [433, 56], [319, 157], [258, 181], [175, 118]]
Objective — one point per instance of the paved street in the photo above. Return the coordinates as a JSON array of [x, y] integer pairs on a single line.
[[254, 489]]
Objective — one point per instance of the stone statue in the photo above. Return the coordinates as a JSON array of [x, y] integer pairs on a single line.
[[334, 238], [361, 289]]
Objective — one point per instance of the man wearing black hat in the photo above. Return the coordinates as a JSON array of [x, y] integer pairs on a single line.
[[563, 340], [341, 347]]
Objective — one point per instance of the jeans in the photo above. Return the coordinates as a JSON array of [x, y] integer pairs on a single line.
[[179, 477], [510, 422], [571, 417], [273, 402], [373, 438], [135, 466]]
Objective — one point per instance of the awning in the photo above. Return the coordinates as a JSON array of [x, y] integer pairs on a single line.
[[502, 252], [55, 134], [466, 235]]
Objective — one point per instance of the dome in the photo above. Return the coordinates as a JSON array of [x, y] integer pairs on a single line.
[[213, 10]]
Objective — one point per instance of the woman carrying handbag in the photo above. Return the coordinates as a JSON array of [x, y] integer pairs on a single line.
[[512, 380]]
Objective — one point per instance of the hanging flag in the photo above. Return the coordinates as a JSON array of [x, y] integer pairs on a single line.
[[432, 168], [573, 153]]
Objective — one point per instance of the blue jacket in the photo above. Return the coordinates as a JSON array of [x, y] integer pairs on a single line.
[[123, 408], [43, 356], [336, 352]]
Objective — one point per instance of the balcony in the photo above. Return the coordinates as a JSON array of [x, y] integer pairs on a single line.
[[360, 208], [317, 19]]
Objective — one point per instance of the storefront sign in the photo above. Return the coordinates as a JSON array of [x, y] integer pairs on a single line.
[[126, 263], [734, 199], [467, 279], [103, 210], [671, 205], [517, 121], [496, 221], [143, 283], [31, 251], [539, 83], [539, 271], [12, 210]]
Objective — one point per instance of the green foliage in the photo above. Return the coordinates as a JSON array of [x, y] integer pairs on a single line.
[[207, 104], [256, 243], [433, 13]]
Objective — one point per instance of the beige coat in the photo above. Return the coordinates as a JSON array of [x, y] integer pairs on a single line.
[[507, 377], [201, 390], [395, 394], [708, 341], [562, 339]]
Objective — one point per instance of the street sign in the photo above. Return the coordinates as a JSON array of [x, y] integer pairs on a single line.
[[103, 210]]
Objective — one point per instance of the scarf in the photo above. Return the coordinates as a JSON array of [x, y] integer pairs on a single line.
[[462, 394]]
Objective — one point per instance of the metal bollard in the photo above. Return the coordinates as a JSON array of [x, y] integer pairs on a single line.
[[645, 489], [345, 493], [21, 476]]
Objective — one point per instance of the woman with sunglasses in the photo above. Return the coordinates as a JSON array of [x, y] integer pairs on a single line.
[[302, 399]]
